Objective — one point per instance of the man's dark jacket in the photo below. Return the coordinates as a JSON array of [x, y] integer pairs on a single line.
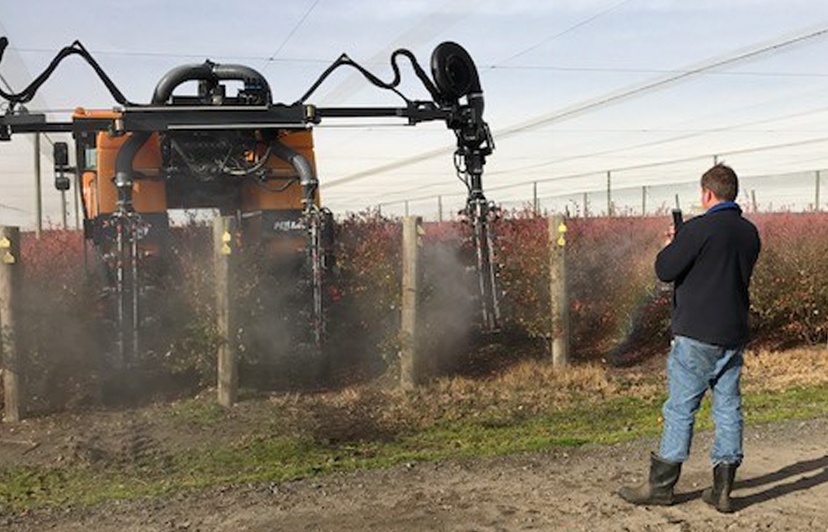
[[710, 262]]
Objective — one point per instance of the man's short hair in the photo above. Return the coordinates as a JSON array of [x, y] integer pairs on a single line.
[[722, 181]]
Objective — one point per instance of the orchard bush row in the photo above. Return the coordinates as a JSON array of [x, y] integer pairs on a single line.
[[619, 311]]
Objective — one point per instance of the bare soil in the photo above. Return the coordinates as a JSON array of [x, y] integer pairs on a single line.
[[783, 485]]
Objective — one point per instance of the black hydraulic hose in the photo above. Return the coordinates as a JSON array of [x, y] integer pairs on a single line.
[[123, 167], [76, 48], [344, 60], [307, 177], [207, 71]]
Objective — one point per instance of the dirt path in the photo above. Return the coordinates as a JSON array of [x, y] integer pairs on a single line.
[[783, 485]]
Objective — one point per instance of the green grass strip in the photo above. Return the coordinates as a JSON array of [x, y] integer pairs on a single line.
[[273, 458]]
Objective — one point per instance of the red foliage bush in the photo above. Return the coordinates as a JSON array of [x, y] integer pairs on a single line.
[[612, 287], [365, 320], [56, 327], [618, 309], [790, 285]]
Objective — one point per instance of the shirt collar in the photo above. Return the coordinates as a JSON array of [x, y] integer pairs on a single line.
[[724, 205]]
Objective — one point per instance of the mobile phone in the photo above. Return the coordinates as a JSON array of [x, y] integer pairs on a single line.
[[678, 219]]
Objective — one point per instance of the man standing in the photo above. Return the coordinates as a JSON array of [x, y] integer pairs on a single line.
[[710, 261]]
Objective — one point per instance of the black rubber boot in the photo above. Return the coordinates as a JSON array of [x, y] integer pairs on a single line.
[[719, 495], [658, 490]]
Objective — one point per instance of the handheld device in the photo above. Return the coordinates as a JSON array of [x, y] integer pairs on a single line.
[[678, 219]]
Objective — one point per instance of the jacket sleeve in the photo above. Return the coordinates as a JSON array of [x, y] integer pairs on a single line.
[[677, 257]]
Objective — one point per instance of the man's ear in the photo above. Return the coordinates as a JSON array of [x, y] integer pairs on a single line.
[[707, 196]]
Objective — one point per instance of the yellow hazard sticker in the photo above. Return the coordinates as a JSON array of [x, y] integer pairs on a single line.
[[561, 241], [226, 237], [8, 258], [5, 243], [225, 249], [562, 228]]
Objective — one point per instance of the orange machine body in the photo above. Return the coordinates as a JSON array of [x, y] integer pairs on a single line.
[[270, 204]]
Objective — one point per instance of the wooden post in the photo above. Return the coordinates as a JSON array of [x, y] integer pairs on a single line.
[[559, 295], [609, 194], [644, 200], [411, 242], [9, 290], [224, 236], [535, 204]]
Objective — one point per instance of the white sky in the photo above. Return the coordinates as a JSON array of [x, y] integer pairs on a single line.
[[537, 60]]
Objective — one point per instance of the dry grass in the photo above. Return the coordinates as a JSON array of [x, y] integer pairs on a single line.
[[361, 413], [777, 371]]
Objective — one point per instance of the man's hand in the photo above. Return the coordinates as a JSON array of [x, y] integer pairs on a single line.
[[669, 235]]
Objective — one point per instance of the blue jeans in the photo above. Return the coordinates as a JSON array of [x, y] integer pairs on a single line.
[[692, 368]]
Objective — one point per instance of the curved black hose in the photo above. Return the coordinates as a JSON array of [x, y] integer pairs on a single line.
[[76, 48], [207, 71], [344, 60], [307, 177]]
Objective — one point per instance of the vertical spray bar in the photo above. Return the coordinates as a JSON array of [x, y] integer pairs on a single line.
[[135, 289], [315, 257], [483, 241], [120, 289], [63, 214]]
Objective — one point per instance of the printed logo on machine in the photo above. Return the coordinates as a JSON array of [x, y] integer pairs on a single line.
[[283, 223], [281, 226]]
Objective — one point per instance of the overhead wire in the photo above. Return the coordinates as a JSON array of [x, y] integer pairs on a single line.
[[539, 121], [656, 164], [420, 32], [293, 31], [659, 142], [641, 166], [566, 31]]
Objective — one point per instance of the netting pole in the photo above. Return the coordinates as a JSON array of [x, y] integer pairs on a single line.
[[9, 295], [644, 200], [411, 242], [535, 206], [559, 295], [224, 251], [609, 194]]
